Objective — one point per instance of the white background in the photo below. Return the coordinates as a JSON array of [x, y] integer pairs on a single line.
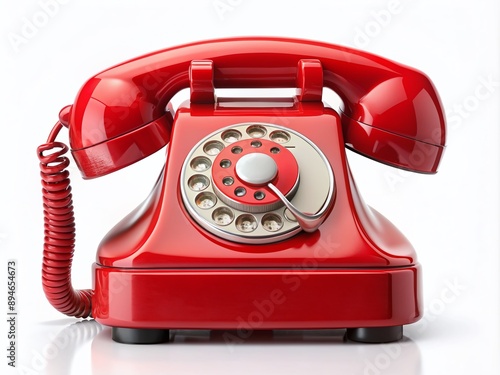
[[451, 218]]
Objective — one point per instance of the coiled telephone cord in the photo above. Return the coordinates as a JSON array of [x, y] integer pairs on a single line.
[[59, 230]]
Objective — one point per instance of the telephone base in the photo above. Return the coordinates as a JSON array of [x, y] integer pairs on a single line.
[[372, 303]]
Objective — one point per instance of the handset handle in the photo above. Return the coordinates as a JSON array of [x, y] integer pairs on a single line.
[[391, 113]]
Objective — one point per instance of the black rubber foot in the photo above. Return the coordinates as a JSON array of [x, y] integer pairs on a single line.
[[140, 335], [375, 334]]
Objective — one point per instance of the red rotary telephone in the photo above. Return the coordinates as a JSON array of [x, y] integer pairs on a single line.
[[255, 222]]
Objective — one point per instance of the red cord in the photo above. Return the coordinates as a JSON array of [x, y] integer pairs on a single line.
[[59, 225]]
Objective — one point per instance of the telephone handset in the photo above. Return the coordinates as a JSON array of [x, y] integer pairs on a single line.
[[255, 221]]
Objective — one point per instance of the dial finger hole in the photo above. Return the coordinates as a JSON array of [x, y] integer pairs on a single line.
[[246, 223], [279, 136], [256, 131], [223, 216], [272, 222], [206, 200], [200, 164], [198, 182], [212, 148], [231, 136]]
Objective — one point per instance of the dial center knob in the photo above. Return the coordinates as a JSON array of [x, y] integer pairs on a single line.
[[256, 168]]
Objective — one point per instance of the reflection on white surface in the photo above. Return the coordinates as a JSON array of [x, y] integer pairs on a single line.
[[57, 356], [312, 351]]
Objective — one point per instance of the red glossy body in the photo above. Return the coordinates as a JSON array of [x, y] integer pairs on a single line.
[[308, 298], [158, 268]]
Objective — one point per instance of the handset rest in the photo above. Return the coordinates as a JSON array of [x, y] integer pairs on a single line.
[[390, 113]]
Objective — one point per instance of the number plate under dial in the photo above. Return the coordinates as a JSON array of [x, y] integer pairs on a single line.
[[224, 181]]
